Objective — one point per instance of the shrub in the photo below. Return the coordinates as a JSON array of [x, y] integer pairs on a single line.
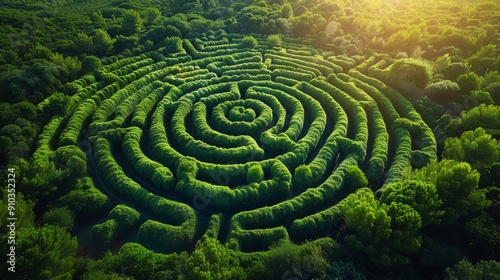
[[274, 40], [90, 63], [355, 178], [255, 174], [453, 70], [62, 217], [249, 42], [468, 82], [173, 44], [303, 177], [414, 70], [443, 92]]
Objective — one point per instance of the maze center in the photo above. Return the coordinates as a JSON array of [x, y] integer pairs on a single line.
[[260, 140]]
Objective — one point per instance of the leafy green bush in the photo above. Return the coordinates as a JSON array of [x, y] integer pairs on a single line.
[[90, 63], [61, 217], [249, 42], [273, 41], [173, 44], [476, 147]]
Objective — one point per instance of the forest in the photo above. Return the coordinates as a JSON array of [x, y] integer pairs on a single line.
[[252, 139]]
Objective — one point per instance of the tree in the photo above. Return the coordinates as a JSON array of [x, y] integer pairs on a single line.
[[38, 177], [321, 40], [483, 234], [103, 43], [286, 260], [71, 160], [466, 270], [137, 260], [90, 63], [468, 82], [339, 270], [58, 104], [83, 44], [476, 147], [99, 274], [23, 210], [61, 217], [249, 42], [173, 44], [286, 10], [45, 253], [405, 224], [413, 70], [386, 233], [151, 15], [40, 52], [210, 260], [273, 40], [457, 187], [363, 214], [422, 196], [131, 23], [443, 92], [486, 116]]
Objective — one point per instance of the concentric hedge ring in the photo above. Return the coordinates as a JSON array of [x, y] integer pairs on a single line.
[[201, 134]]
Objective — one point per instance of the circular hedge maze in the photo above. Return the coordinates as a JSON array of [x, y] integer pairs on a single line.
[[251, 146]]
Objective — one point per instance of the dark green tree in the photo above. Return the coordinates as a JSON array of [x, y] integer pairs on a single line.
[[90, 63], [483, 233], [466, 270], [83, 43], [413, 70], [339, 270], [61, 217], [37, 177], [103, 43], [173, 44], [58, 104], [131, 23], [45, 253], [151, 16], [23, 211]]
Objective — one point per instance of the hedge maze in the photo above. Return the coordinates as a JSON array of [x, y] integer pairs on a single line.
[[248, 145]]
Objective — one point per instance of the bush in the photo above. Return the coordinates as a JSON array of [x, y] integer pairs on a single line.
[[452, 71], [255, 174], [468, 82], [90, 63], [413, 70], [443, 92], [249, 42], [62, 217], [355, 178], [173, 44], [302, 177], [273, 40]]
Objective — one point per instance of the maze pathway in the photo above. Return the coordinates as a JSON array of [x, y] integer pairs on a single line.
[[251, 146]]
